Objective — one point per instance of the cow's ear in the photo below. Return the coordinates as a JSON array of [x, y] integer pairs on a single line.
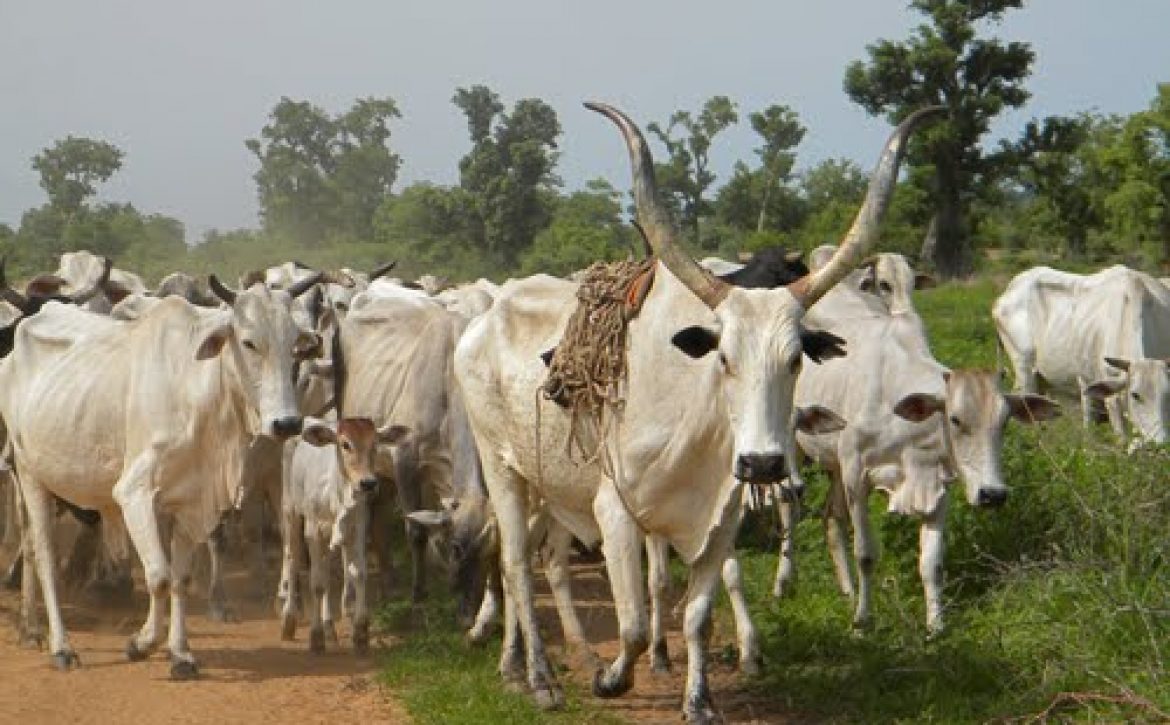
[[696, 341], [430, 519], [924, 281], [814, 419], [1118, 362], [1032, 408], [213, 342], [917, 407], [820, 345], [391, 433], [1102, 389], [317, 432]]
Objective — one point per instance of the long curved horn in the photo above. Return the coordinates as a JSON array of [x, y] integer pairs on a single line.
[[384, 269], [863, 233], [303, 286], [10, 295], [655, 219], [85, 295], [220, 290]]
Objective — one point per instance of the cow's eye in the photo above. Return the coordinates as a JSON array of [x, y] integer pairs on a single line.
[[1136, 396], [885, 286], [956, 422], [346, 446], [250, 345]]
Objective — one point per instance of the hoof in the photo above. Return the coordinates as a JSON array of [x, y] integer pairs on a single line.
[[751, 666], [184, 670], [607, 687], [134, 653], [288, 627], [66, 660], [513, 666], [660, 658], [478, 635], [32, 639], [548, 697], [700, 709], [316, 641]]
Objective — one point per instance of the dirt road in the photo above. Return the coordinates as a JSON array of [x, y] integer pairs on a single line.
[[247, 675]]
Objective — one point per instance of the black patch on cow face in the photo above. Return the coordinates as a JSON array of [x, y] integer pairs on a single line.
[[695, 341], [821, 345]]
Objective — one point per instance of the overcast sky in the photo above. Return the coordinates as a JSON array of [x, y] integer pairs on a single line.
[[179, 86]]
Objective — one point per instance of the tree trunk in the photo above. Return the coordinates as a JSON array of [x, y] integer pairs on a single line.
[[763, 220], [951, 254]]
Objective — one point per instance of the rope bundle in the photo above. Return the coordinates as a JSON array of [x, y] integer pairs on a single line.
[[588, 369]]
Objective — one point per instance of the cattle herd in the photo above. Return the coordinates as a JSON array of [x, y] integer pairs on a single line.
[[351, 403]]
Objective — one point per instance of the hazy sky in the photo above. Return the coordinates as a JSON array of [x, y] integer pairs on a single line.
[[179, 86]]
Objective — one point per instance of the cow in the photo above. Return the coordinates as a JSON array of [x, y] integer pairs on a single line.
[[769, 267], [913, 425], [887, 275], [80, 269], [711, 368], [328, 476], [193, 289], [141, 403], [392, 362], [1104, 336]]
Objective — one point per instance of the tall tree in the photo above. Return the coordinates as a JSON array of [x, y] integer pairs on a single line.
[[944, 62], [509, 171], [323, 175], [71, 168], [1139, 206], [686, 175], [780, 131]]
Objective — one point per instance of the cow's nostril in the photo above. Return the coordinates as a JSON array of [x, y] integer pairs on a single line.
[[760, 467], [287, 426], [369, 485]]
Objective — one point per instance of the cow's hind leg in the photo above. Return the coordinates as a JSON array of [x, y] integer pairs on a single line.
[[864, 550], [622, 544], [409, 487], [39, 544], [183, 664], [836, 514], [489, 607], [556, 569], [509, 497]]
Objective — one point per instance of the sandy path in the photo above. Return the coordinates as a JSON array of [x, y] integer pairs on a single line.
[[247, 675]]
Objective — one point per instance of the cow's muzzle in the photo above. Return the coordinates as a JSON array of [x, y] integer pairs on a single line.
[[287, 426], [991, 497], [760, 467]]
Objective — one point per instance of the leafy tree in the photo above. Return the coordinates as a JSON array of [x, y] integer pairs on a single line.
[[748, 198], [1139, 207], [686, 174], [71, 168], [323, 175], [831, 191], [586, 228], [508, 174], [780, 130], [944, 62]]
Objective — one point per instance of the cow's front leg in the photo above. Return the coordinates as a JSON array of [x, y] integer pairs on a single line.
[[788, 511], [489, 608], [183, 664], [931, 547], [217, 610], [745, 630], [318, 573], [836, 514], [704, 576], [40, 564], [622, 544], [357, 574], [409, 487], [864, 550], [294, 557], [134, 496], [658, 560]]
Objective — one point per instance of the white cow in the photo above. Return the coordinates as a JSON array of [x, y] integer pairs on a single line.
[[328, 476], [913, 425], [81, 269], [1104, 336], [708, 405], [887, 275], [141, 403]]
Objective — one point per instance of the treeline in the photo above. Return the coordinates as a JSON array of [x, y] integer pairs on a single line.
[[1074, 190]]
